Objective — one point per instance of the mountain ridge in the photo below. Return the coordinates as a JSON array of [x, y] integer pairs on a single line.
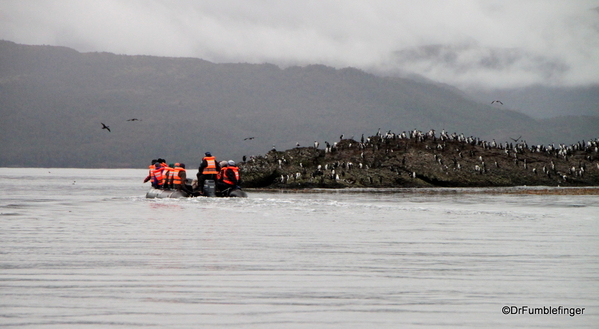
[[54, 98]]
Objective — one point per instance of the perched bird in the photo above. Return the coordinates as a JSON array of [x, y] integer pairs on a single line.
[[496, 101], [134, 119], [105, 126]]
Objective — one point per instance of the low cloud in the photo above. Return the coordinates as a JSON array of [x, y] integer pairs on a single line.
[[462, 42], [472, 65]]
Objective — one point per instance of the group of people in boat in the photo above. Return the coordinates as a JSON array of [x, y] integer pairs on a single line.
[[174, 175]]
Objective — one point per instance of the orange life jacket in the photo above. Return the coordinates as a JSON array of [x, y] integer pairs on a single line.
[[166, 174], [157, 176], [150, 170], [176, 178], [211, 167], [220, 174], [226, 178]]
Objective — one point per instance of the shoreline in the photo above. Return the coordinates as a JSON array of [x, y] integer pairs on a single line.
[[529, 190]]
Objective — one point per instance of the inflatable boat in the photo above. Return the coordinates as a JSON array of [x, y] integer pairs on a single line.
[[154, 193], [209, 191]]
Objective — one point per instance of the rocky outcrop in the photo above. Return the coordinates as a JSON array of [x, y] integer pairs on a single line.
[[418, 159]]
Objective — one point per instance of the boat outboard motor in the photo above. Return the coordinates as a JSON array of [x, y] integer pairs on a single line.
[[209, 188]]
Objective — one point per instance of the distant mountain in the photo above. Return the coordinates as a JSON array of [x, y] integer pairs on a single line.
[[54, 99]]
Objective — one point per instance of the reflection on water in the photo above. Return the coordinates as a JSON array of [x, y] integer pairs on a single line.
[[98, 254]]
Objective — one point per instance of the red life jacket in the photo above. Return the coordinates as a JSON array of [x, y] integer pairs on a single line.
[[226, 177], [211, 166]]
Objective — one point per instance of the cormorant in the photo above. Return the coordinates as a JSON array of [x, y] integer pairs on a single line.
[[516, 140]]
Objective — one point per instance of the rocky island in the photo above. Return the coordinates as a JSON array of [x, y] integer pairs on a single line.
[[424, 159]]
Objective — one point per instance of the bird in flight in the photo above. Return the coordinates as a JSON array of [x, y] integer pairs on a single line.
[[105, 126], [134, 119], [248, 138], [500, 102], [516, 140]]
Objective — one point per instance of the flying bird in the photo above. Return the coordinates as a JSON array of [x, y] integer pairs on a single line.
[[500, 102], [105, 126], [134, 119], [516, 140], [248, 138]]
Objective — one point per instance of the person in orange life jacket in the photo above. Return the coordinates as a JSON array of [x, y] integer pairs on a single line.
[[167, 174], [164, 167], [180, 177], [230, 176], [157, 176], [208, 169], [151, 168], [219, 176], [158, 173], [173, 173], [163, 163]]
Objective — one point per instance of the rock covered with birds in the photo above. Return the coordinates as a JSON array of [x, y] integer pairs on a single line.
[[424, 159]]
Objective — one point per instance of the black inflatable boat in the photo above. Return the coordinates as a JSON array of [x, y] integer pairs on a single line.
[[209, 191]]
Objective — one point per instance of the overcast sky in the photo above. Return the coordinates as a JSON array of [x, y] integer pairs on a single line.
[[461, 42]]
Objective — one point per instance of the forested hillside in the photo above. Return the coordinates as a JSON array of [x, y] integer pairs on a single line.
[[54, 99]]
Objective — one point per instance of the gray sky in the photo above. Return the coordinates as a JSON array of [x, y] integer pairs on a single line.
[[502, 43]]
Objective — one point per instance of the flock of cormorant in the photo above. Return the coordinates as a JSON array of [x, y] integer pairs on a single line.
[[452, 155], [417, 158]]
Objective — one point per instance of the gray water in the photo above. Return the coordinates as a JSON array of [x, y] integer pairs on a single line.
[[83, 248]]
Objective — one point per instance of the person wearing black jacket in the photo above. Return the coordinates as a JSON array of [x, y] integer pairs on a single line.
[[229, 177]]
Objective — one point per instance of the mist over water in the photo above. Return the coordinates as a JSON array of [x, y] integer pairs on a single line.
[[83, 248]]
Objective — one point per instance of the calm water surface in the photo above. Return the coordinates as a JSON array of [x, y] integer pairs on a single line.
[[83, 248]]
